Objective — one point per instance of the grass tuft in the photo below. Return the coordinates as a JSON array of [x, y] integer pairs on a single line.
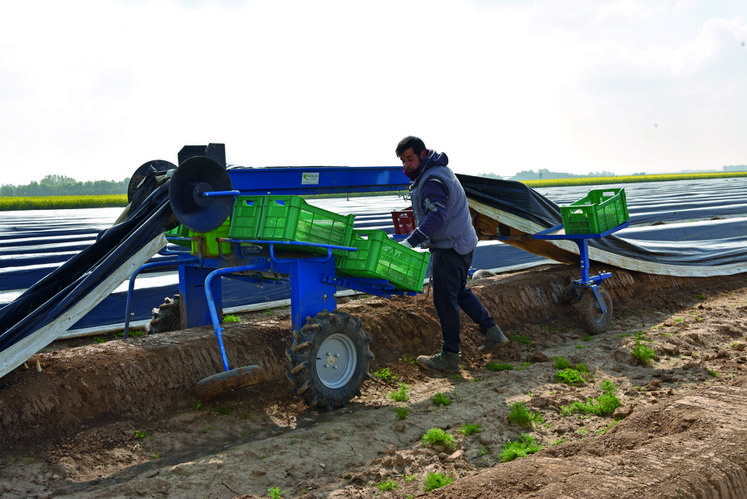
[[525, 445], [434, 481], [436, 437]]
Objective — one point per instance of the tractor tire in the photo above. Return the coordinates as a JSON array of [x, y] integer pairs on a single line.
[[591, 314], [167, 317], [329, 360]]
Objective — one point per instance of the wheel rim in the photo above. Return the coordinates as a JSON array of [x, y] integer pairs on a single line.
[[336, 361], [596, 309]]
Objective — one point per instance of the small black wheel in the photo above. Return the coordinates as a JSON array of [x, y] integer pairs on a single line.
[[145, 178], [329, 360], [167, 317], [590, 313]]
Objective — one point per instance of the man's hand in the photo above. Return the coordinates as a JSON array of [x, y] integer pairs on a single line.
[[406, 244]]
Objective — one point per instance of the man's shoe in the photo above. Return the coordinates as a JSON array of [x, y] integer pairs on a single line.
[[442, 361], [493, 339]]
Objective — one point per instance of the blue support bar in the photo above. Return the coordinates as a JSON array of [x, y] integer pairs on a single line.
[[310, 293], [318, 180], [211, 302], [210, 194]]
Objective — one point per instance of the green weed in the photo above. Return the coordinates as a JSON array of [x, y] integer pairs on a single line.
[[402, 412], [275, 493], [520, 415], [604, 405], [434, 481], [436, 437], [495, 366], [640, 351], [231, 318], [441, 399], [224, 409], [521, 448], [401, 395], [469, 429], [385, 374], [520, 338], [387, 484], [562, 363], [570, 376]]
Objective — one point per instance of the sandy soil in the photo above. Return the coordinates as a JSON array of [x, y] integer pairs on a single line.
[[120, 419]]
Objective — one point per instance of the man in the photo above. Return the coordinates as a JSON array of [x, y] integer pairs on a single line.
[[445, 227]]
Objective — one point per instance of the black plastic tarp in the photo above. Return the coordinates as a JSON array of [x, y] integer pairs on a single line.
[[50, 297], [714, 254]]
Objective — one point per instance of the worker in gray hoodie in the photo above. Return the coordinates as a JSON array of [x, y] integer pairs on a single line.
[[444, 226]]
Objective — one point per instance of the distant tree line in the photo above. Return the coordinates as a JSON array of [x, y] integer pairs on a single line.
[[59, 185], [545, 174]]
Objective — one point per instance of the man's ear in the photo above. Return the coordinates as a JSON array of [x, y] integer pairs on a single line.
[[423, 154]]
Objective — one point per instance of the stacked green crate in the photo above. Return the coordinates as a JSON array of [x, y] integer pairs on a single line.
[[289, 218], [246, 217]]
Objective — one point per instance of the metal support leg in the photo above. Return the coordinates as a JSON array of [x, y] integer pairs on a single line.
[[195, 310], [586, 281], [211, 300], [309, 294]]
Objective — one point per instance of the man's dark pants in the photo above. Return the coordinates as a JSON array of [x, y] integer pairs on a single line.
[[450, 270]]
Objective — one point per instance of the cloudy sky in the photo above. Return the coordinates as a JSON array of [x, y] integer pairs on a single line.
[[93, 89]]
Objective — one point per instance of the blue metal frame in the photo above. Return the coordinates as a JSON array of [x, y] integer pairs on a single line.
[[313, 282]]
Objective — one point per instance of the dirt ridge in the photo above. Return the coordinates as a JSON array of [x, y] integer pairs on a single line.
[[82, 385]]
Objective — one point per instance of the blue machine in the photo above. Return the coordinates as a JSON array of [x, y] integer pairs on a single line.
[[329, 355]]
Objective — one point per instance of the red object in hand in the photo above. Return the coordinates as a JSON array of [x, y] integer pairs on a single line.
[[404, 221]]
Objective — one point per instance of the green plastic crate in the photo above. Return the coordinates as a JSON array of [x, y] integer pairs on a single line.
[[246, 217], [206, 243], [600, 210], [382, 258], [291, 218]]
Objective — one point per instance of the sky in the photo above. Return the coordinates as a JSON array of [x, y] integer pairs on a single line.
[[92, 89]]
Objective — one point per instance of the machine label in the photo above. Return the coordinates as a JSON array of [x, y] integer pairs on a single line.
[[311, 178]]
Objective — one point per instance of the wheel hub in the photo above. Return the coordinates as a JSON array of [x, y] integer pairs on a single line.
[[336, 361]]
